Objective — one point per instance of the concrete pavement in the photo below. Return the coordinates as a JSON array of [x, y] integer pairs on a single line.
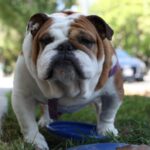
[[138, 88]]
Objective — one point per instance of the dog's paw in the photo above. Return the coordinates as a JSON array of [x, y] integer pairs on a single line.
[[38, 141], [106, 128], [43, 122]]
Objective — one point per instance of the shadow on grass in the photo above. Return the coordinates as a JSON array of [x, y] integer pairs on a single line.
[[133, 123]]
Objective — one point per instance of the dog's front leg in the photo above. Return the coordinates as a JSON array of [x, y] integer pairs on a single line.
[[106, 116], [24, 108]]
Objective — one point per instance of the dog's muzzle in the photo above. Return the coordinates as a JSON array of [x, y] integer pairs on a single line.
[[65, 66]]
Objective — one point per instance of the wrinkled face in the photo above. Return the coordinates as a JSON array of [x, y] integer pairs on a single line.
[[66, 47]]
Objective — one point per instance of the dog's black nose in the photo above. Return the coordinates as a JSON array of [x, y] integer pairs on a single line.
[[65, 47]]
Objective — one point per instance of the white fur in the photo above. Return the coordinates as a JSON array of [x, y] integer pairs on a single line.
[[44, 61], [30, 88], [89, 66]]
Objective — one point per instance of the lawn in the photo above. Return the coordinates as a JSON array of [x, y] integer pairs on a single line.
[[133, 123]]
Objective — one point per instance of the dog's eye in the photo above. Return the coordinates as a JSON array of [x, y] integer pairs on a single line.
[[87, 42], [46, 40]]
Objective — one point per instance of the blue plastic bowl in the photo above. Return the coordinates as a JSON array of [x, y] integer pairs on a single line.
[[74, 130]]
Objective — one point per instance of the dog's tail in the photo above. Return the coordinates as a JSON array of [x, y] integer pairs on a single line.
[[3, 110]]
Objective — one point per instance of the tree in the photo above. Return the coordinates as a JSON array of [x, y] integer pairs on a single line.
[[130, 21], [14, 14]]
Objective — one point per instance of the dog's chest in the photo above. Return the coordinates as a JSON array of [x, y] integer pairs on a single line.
[[63, 108], [69, 105]]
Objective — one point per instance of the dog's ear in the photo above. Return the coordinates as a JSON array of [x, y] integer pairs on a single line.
[[35, 22], [101, 26]]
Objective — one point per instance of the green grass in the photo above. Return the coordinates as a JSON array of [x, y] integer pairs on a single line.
[[133, 123]]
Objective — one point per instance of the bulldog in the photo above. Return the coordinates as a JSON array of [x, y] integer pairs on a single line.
[[67, 59]]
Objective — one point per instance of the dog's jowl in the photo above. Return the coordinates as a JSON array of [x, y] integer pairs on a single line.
[[67, 57]]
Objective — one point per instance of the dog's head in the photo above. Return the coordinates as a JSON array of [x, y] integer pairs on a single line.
[[69, 46]]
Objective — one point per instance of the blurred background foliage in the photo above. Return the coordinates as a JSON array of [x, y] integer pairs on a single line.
[[130, 21]]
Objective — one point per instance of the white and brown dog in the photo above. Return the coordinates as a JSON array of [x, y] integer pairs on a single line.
[[67, 59]]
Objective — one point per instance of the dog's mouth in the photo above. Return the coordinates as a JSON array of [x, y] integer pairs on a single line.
[[65, 67]]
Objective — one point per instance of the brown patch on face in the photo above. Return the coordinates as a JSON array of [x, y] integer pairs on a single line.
[[83, 30], [119, 83], [36, 40], [75, 38], [82, 27], [108, 52]]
